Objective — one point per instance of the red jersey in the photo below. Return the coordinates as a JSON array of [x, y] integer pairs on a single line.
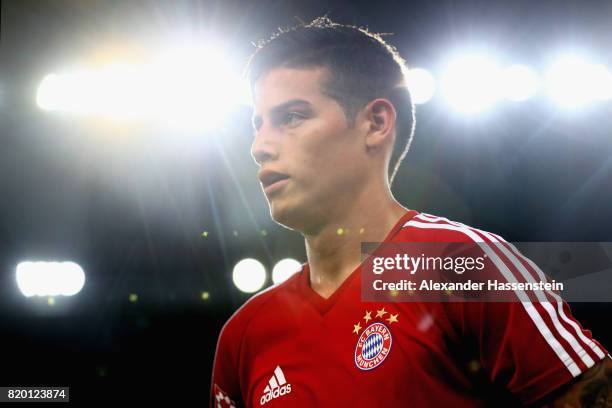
[[288, 346]]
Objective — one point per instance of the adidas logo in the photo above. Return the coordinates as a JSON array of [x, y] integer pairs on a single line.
[[277, 387]]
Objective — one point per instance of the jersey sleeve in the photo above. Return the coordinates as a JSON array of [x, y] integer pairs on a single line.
[[530, 347], [225, 385]]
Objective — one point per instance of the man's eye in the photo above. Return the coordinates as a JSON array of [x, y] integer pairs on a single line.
[[292, 118]]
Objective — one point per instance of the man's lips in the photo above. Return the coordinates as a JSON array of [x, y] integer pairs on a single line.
[[276, 186], [268, 177]]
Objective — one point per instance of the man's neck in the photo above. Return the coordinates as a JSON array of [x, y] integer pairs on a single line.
[[335, 252]]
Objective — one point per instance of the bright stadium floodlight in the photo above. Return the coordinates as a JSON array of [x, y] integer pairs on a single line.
[[187, 87], [55, 93], [572, 82], [422, 85], [197, 85], [519, 83], [603, 77], [284, 269], [249, 275], [49, 278], [116, 90], [471, 83]]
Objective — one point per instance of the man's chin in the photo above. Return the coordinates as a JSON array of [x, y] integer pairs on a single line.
[[277, 213], [282, 215]]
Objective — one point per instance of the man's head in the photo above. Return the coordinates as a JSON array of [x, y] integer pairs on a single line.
[[355, 123]]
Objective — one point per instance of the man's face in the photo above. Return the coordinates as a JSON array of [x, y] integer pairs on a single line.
[[304, 134]]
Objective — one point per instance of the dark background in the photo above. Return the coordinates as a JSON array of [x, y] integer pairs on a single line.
[[130, 206]]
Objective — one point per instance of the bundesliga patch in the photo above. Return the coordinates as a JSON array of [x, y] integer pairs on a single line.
[[373, 346], [222, 399]]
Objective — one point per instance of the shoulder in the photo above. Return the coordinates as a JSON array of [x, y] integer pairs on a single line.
[[426, 227]]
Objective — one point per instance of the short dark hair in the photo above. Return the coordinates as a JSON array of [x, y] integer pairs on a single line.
[[361, 64]]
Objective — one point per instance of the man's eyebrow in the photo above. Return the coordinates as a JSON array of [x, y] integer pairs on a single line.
[[256, 120]]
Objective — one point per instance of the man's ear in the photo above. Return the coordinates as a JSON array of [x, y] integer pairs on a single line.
[[380, 115]]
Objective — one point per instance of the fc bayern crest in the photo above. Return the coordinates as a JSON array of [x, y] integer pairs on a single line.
[[373, 346]]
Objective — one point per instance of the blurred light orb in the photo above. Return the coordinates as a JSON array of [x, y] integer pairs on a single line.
[[249, 275], [187, 86], [519, 83], [53, 93], [422, 85], [116, 90], [471, 83], [284, 269], [49, 279], [602, 76], [573, 82]]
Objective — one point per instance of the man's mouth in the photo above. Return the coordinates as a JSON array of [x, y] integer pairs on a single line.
[[274, 178], [276, 185], [269, 176]]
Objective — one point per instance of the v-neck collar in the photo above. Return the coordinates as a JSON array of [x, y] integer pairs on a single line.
[[322, 304]]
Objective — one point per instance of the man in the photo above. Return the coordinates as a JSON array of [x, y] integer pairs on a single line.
[[332, 122]]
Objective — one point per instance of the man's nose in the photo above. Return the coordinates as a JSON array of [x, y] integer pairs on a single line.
[[264, 147]]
